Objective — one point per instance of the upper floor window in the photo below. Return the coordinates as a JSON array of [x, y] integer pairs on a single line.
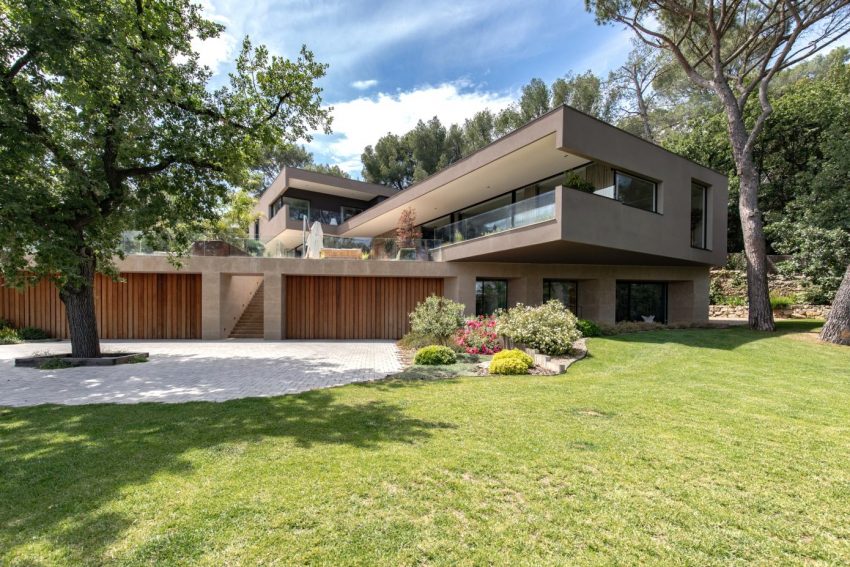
[[298, 208], [699, 226], [636, 192], [348, 212]]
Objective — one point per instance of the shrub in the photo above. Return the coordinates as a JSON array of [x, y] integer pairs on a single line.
[[478, 336], [510, 365], [33, 334], [438, 317], [781, 301], [9, 336], [549, 328], [435, 354], [588, 328], [731, 300], [517, 354]]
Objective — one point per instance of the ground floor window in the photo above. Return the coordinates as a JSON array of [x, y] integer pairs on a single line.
[[564, 291], [490, 295], [642, 301]]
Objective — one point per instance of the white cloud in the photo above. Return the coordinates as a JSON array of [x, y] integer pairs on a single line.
[[360, 122], [215, 51], [363, 85]]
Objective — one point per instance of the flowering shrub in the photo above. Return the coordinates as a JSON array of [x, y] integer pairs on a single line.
[[437, 317], [549, 328], [478, 336]]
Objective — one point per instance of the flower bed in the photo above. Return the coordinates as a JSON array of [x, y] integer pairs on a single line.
[[478, 336]]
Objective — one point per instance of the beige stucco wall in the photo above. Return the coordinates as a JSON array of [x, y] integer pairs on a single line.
[[226, 280]]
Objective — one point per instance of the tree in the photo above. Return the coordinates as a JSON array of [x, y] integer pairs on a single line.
[[584, 92], [406, 231], [275, 158], [735, 48], [235, 220], [107, 125], [327, 169], [390, 162], [478, 131], [631, 84], [837, 328]]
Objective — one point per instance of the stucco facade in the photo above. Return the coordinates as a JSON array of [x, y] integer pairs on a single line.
[[527, 232]]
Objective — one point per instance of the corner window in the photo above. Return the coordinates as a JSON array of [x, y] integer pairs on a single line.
[[348, 212], [642, 302], [699, 236], [490, 296], [298, 208], [562, 290], [636, 192]]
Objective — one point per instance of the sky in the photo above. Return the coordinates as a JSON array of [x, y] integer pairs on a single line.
[[392, 63]]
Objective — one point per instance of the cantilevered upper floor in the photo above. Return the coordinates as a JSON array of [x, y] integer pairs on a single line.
[[565, 188]]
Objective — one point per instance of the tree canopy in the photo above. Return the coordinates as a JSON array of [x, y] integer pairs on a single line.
[[108, 124]]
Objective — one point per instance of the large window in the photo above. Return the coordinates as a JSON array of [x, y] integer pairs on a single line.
[[699, 237], [348, 212], [298, 208], [642, 301], [564, 291], [635, 192], [490, 295]]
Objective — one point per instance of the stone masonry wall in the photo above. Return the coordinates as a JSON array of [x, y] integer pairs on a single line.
[[793, 312]]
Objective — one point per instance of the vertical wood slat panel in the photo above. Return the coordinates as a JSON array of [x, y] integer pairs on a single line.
[[144, 306], [344, 307]]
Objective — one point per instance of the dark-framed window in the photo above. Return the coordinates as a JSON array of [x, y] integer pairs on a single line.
[[348, 212], [636, 191], [641, 301], [565, 291], [699, 208], [490, 296], [298, 208]]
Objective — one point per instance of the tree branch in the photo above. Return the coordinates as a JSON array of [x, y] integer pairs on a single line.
[[20, 64]]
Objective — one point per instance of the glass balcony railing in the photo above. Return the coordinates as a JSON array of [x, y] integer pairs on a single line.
[[522, 213], [333, 247]]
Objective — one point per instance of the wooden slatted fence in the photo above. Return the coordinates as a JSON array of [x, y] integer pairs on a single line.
[[330, 307], [145, 306]]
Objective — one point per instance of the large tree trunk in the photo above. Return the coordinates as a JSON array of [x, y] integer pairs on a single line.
[[78, 297], [752, 225], [755, 249], [837, 328]]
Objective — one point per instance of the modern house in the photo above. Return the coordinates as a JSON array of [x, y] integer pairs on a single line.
[[566, 207]]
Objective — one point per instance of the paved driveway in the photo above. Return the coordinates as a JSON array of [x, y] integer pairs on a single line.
[[181, 371]]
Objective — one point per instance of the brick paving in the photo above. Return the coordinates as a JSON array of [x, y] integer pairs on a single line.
[[182, 371]]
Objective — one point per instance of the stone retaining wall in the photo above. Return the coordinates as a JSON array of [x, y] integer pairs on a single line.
[[793, 312]]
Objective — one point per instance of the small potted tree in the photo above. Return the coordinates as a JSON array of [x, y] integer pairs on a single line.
[[406, 235]]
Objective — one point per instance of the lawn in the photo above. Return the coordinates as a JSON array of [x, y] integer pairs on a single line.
[[691, 446]]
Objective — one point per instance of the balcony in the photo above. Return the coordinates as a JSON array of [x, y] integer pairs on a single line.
[[334, 247], [517, 215]]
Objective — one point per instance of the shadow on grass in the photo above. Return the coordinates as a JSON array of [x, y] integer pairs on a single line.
[[719, 339], [61, 465]]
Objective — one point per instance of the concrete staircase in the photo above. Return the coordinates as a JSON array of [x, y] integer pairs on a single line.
[[250, 324]]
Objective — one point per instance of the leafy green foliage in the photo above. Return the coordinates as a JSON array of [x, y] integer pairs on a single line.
[[517, 354], [438, 317], [33, 334], [509, 366], [9, 336], [435, 355], [781, 301], [588, 328], [549, 328]]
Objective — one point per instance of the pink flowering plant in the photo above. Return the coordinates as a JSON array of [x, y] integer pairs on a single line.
[[478, 336]]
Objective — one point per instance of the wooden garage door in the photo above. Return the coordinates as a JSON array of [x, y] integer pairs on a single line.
[[325, 307], [145, 306]]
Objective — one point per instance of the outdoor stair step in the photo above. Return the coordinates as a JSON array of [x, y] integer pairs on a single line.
[[250, 324]]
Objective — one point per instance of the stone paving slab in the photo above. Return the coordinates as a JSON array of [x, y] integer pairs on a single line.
[[182, 371]]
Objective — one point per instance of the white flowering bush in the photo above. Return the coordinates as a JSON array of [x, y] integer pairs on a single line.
[[549, 328], [437, 317]]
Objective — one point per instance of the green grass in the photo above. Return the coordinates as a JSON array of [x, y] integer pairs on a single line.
[[703, 447]]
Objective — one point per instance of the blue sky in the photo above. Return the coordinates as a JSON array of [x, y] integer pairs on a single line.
[[394, 62]]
